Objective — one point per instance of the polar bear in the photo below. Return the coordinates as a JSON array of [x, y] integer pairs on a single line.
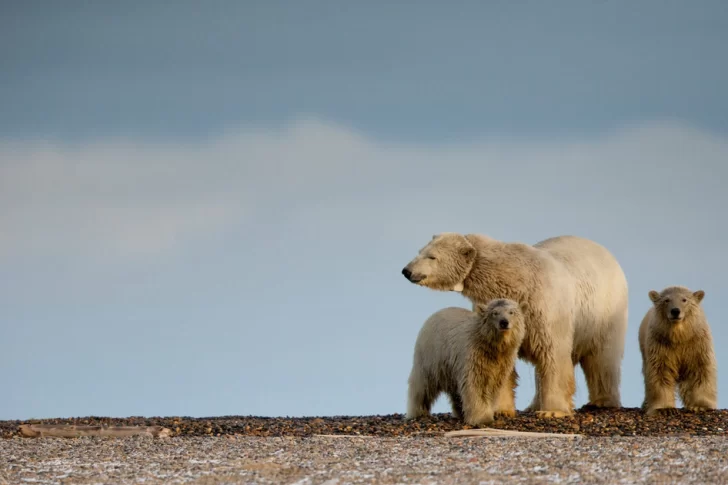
[[575, 297], [471, 356], [677, 350]]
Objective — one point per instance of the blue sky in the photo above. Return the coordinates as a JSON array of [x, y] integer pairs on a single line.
[[205, 210]]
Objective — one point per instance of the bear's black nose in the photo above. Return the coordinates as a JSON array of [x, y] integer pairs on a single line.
[[675, 312], [407, 273], [503, 324]]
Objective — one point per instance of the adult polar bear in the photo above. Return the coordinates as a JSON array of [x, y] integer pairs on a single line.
[[575, 296]]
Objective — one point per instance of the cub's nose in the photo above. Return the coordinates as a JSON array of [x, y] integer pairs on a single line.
[[503, 324], [407, 273], [675, 312]]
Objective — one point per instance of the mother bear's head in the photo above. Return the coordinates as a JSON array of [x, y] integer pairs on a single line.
[[443, 264]]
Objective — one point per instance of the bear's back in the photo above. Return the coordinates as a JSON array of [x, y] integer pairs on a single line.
[[600, 283]]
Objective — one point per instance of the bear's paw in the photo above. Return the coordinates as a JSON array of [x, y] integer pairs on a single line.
[[552, 414]]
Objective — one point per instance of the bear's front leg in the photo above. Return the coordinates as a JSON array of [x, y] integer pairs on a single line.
[[659, 391], [699, 391], [558, 385], [477, 411], [506, 400]]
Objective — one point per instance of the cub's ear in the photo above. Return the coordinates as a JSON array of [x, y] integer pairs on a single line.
[[654, 296], [480, 309], [699, 295]]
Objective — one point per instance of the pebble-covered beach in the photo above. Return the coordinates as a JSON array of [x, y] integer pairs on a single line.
[[373, 460], [622, 422]]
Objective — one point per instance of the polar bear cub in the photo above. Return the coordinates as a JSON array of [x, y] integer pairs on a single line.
[[471, 356], [677, 351]]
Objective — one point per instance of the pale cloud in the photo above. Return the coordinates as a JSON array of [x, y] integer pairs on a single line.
[[121, 198]]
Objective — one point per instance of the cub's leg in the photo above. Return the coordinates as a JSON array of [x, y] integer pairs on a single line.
[[659, 389], [457, 405], [698, 390], [420, 395], [506, 400]]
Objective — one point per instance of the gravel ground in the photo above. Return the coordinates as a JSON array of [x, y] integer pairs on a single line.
[[619, 446], [339, 460], [621, 422]]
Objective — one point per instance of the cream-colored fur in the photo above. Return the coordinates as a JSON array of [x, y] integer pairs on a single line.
[[469, 356], [677, 351], [575, 297]]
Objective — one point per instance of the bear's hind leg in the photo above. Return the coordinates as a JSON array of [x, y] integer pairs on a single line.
[[420, 396], [558, 385], [602, 360], [602, 371], [457, 405]]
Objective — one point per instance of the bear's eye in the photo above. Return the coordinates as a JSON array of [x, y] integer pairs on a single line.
[[685, 300], [510, 312], [431, 257], [667, 300]]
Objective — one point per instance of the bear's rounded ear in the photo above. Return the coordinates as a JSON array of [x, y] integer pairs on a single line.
[[481, 309], [699, 295], [523, 306], [654, 296], [467, 251]]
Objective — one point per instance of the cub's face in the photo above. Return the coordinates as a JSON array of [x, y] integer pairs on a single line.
[[505, 317], [442, 264], [676, 303]]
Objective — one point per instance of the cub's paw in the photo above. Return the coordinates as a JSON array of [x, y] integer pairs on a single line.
[[481, 420], [663, 412], [506, 413], [412, 415], [552, 414]]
